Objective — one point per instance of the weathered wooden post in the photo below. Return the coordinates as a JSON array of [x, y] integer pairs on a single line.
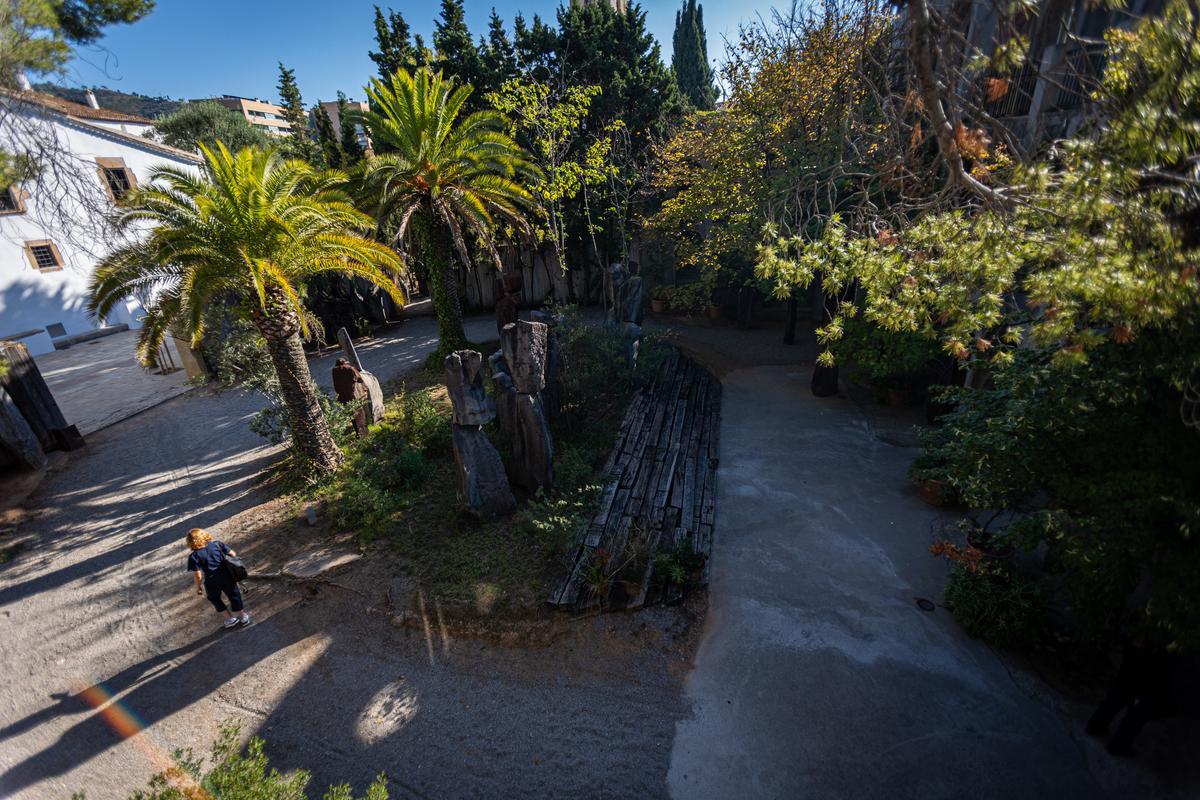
[[525, 351], [482, 484]]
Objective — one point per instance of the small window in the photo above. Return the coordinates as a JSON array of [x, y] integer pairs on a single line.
[[10, 201], [43, 256], [117, 178]]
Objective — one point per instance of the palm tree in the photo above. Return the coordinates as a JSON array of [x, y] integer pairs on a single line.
[[441, 177], [255, 226]]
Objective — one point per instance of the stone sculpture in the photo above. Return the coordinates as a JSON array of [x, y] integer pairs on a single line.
[[525, 350], [482, 484], [627, 298], [507, 290], [348, 386], [374, 406]]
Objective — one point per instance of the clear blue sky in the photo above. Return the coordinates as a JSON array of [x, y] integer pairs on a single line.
[[200, 48]]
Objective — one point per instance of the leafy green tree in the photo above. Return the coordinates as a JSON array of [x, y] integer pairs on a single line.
[[84, 21], [569, 161], [257, 227], [392, 37], [1075, 305], [329, 139], [445, 176], [693, 73], [206, 123], [299, 145]]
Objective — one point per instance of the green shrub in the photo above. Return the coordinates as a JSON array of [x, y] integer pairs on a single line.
[[992, 604], [237, 776], [423, 424]]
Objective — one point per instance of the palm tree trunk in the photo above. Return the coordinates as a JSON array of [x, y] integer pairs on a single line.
[[443, 290], [280, 326]]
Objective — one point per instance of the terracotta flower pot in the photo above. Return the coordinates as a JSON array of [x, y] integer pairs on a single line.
[[714, 312], [936, 493], [897, 398], [658, 306]]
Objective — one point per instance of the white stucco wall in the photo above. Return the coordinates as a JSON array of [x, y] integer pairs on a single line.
[[30, 299]]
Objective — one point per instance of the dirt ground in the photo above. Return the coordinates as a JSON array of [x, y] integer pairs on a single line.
[[112, 661]]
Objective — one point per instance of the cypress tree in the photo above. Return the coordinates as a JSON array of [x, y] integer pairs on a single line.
[[392, 37], [327, 138], [693, 73], [352, 151], [299, 145]]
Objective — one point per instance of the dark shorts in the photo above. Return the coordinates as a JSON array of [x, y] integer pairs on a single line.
[[215, 585]]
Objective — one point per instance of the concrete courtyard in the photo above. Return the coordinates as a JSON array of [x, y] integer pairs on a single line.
[[817, 676]]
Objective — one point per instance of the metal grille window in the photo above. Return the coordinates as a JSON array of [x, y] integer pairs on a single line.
[[43, 255], [10, 202], [118, 181]]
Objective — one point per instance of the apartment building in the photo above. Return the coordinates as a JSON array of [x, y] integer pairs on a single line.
[[265, 116]]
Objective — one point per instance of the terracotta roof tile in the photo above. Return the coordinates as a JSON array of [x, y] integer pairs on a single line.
[[77, 110]]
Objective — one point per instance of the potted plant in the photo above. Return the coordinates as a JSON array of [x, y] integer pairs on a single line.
[[893, 360], [930, 475], [714, 311]]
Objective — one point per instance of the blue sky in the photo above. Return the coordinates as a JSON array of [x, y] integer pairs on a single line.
[[200, 48]]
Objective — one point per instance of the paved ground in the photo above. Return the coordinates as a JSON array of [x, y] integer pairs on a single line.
[[99, 382], [99, 606], [818, 676]]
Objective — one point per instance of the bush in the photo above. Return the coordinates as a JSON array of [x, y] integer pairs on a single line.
[[237, 776], [890, 358], [992, 604]]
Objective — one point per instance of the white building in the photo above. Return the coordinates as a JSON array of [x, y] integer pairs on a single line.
[[54, 229]]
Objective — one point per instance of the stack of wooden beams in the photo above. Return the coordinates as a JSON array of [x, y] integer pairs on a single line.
[[661, 478]]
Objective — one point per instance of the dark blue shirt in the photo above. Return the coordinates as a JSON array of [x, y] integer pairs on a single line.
[[208, 559]]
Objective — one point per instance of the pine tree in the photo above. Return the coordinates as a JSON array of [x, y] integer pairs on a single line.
[[535, 47], [599, 46], [298, 145], [328, 139], [455, 50], [352, 151], [392, 37], [693, 73], [498, 57]]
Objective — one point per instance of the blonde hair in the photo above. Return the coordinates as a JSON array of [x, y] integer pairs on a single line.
[[197, 538]]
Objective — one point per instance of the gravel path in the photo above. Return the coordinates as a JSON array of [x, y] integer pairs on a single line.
[[99, 605]]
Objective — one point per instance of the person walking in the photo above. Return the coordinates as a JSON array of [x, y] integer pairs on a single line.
[[207, 563]]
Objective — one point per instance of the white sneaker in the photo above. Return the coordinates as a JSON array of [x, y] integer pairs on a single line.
[[245, 619], [229, 623]]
